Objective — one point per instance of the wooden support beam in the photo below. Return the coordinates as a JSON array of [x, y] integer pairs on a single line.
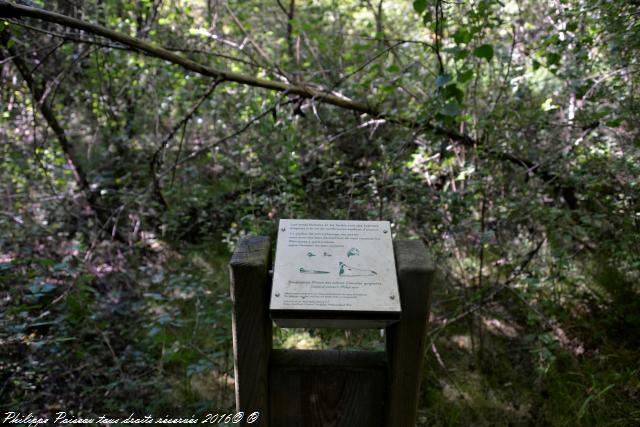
[[406, 339], [252, 338], [327, 388]]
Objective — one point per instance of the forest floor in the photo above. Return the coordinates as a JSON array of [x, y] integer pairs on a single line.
[[105, 337]]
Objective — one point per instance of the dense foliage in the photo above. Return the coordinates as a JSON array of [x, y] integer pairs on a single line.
[[504, 134]]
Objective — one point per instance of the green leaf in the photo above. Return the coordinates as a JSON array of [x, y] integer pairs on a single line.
[[465, 76], [458, 52], [443, 79], [47, 287], [585, 405], [547, 105], [393, 68], [614, 123], [420, 6], [462, 54], [451, 109], [485, 51], [453, 91], [38, 287], [553, 59], [462, 36], [154, 295]]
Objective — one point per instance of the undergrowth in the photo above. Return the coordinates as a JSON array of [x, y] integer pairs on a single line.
[[102, 335]]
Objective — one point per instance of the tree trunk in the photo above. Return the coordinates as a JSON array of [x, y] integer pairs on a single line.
[[93, 199]]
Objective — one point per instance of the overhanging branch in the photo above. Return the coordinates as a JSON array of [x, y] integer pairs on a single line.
[[16, 11], [12, 10]]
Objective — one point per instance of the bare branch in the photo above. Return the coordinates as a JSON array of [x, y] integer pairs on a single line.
[[155, 159], [255, 45], [14, 11], [11, 10], [489, 294]]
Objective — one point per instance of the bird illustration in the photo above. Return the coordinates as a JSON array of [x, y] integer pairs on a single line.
[[346, 270], [353, 252], [305, 271]]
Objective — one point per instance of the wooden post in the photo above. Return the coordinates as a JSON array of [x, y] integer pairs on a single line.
[[327, 388], [406, 339], [252, 338]]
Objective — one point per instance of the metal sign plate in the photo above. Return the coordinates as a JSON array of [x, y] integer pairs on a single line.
[[335, 274]]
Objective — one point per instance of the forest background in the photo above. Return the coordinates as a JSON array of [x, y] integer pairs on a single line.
[[140, 140]]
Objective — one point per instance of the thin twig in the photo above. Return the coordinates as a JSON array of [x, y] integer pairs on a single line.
[[175, 163], [186, 118], [255, 46], [365, 64], [117, 46], [503, 87], [446, 371], [246, 126], [155, 159], [488, 295], [438, 35]]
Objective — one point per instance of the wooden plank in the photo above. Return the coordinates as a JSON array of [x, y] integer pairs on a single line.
[[251, 326], [406, 339], [327, 388]]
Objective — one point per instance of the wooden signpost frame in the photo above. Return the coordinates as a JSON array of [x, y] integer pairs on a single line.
[[327, 388]]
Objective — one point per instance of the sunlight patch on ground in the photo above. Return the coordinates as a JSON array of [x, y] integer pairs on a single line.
[[470, 389], [500, 327], [150, 240], [200, 262], [451, 393], [570, 343], [6, 257], [303, 341], [213, 386], [462, 342], [102, 270]]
